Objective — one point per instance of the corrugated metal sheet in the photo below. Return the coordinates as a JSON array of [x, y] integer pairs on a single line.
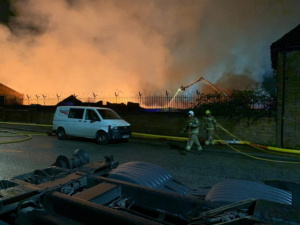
[[230, 191], [149, 175]]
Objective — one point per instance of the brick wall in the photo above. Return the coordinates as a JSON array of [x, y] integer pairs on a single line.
[[261, 131], [288, 92]]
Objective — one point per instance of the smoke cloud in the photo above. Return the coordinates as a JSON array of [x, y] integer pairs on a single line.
[[96, 46]]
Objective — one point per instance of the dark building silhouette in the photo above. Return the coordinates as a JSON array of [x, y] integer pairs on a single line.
[[285, 57], [9, 96]]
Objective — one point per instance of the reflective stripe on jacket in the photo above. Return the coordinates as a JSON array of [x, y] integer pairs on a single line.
[[194, 125]]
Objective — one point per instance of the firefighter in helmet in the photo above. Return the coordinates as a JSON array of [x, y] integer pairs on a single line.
[[210, 124], [193, 130]]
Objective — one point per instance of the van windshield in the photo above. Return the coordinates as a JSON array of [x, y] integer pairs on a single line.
[[108, 114]]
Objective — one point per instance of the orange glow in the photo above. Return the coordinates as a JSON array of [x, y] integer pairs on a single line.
[[59, 48]]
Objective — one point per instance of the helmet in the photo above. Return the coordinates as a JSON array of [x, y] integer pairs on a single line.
[[191, 113], [207, 112]]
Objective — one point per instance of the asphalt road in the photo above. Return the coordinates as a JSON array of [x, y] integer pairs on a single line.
[[215, 164]]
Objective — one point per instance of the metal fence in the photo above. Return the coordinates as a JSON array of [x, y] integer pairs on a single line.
[[151, 102], [253, 99]]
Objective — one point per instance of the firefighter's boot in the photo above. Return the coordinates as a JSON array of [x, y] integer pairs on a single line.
[[210, 140]]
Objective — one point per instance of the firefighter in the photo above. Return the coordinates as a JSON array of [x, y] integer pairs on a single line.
[[193, 130], [210, 124]]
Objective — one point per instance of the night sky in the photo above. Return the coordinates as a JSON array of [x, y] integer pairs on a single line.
[[96, 46]]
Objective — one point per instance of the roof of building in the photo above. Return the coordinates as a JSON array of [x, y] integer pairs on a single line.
[[289, 42], [71, 100], [7, 90]]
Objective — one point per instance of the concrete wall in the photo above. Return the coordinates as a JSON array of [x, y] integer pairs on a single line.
[[261, 131]]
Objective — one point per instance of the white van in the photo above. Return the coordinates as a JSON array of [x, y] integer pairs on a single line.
[[98, 123]]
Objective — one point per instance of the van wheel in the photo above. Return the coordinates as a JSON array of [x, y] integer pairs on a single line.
[[102, 138], [61, 133]]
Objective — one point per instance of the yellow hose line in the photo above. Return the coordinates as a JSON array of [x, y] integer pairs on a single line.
[[28, 137], [11, 135], [35, 133], [10, 151], [293, 151], [159, 137], [27, 124], [259, 158]]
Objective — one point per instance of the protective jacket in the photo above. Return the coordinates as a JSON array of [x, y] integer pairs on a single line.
[[210, 123], [193, 126]]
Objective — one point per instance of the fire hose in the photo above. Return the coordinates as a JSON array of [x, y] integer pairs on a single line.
[[257, 146], [288, 152], [14, 134]]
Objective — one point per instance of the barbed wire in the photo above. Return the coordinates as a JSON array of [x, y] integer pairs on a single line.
[[164, 99]]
